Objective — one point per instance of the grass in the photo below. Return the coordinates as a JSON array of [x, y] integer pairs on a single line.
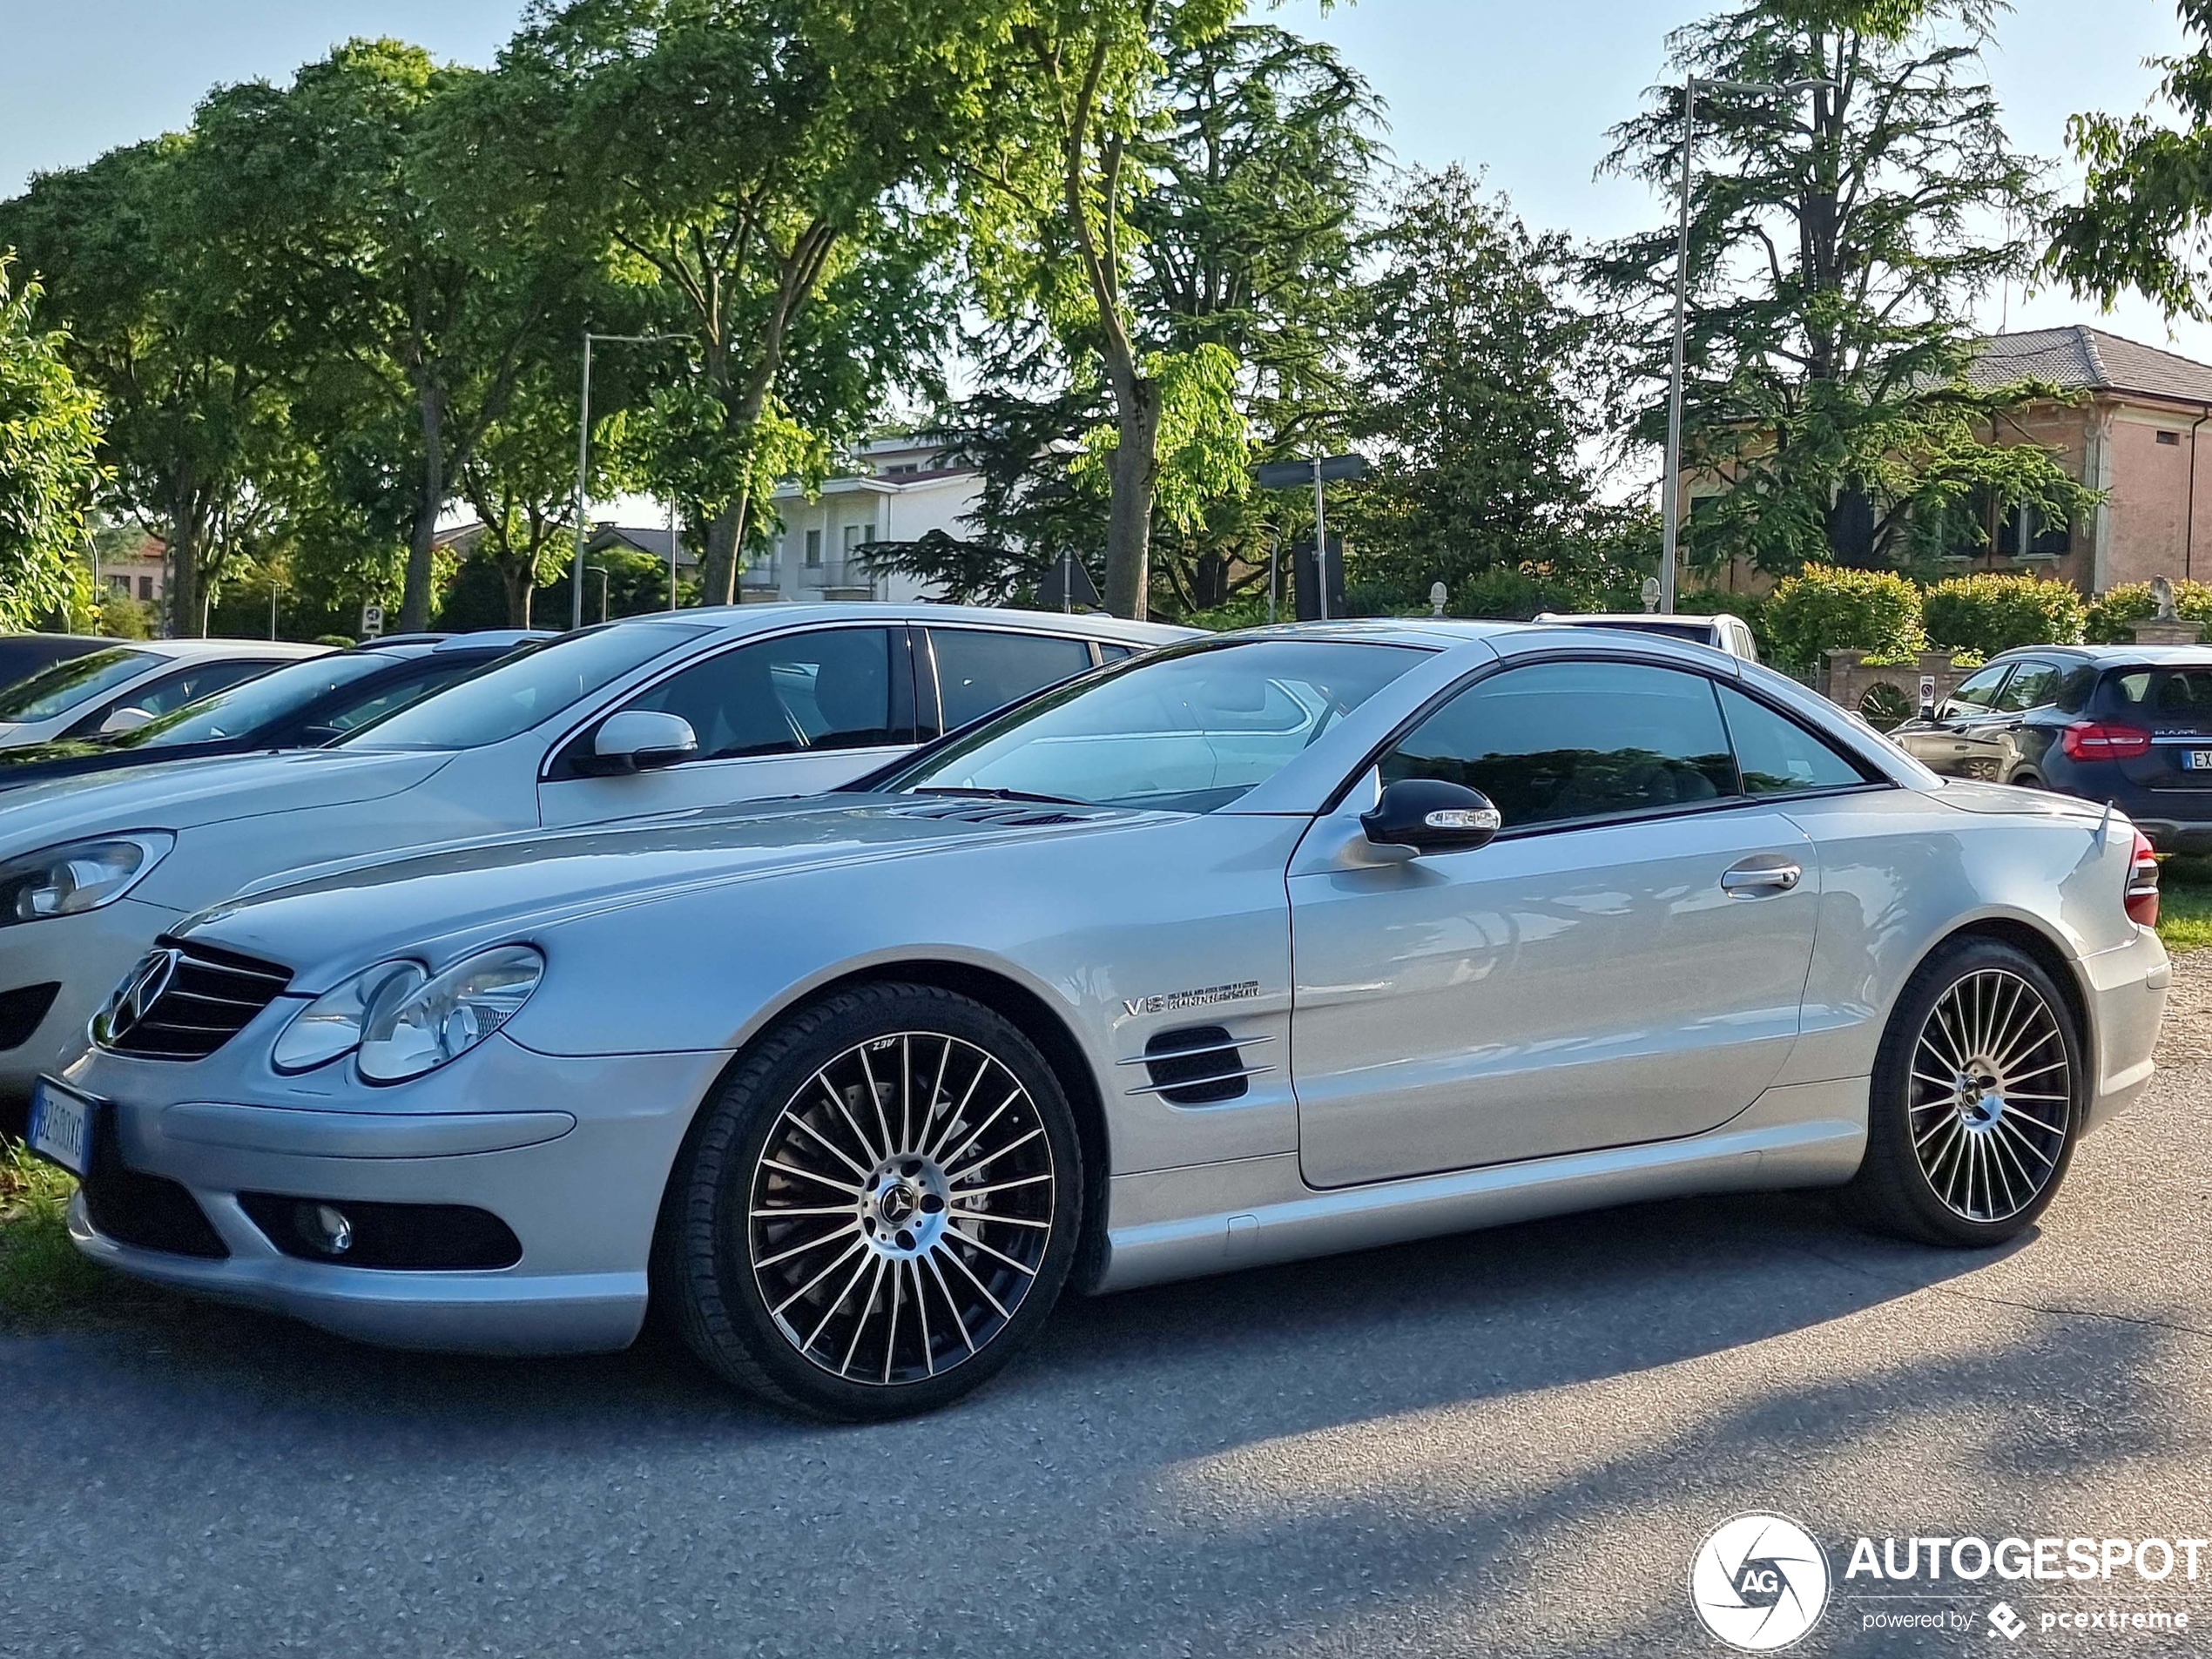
[[2185, 903], [41, 1277]]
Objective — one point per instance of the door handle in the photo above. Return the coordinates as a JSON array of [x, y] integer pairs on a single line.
[[1748, 881]]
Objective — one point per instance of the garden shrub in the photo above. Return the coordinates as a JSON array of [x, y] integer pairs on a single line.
[[1827, 607], [1989, 612], [2113, 615]]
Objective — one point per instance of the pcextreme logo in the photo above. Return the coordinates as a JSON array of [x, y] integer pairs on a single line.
[[1759, 1582]]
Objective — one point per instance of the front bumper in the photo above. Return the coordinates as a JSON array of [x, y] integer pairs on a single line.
[[573, 1154], [86, 955]]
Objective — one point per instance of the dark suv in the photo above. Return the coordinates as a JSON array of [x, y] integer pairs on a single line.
[[2131, 725]]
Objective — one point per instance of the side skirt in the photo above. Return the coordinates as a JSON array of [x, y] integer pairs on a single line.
[[1169, 1224]]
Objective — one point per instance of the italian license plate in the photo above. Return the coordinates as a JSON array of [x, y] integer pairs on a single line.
[[61, 1126], [2197, 760]]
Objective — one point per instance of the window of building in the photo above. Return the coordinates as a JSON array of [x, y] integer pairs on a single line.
[[145, 588], [858, 536], [2173, 438], [813, 550], [2026, 533]]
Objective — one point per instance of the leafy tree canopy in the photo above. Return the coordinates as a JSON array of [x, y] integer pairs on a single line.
[[48, 432]]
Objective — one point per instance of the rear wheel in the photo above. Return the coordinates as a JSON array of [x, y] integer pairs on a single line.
[[879, 1209], [1977, 1099]]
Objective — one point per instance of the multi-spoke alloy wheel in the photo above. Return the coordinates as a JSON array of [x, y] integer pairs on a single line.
[[878, 1208], [901, 1207], [1977, 1094], [1994, 1090]]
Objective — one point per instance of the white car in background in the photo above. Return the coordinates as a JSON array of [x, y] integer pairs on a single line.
[[692, 708], [1721, 631], [123, 687]]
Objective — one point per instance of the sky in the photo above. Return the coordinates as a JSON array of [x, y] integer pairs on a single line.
[[1523, 91]]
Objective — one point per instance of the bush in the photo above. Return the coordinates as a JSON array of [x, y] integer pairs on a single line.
[[2113, 616], [1876, 611], [1507, 594], [1988, 613]]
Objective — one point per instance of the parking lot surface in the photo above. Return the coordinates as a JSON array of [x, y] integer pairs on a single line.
[[1503, 1443]]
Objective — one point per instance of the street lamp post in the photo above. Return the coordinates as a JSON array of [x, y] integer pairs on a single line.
[[600, 570], [583, 462], [1671, 504], [1284, 475]]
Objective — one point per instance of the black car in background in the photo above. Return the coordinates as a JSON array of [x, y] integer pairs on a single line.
[[301, 706], [2131, 725], [23, 655]]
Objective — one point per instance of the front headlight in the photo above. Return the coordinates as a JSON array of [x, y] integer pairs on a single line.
[[409, 1031], [84, 875], [331, 1025]]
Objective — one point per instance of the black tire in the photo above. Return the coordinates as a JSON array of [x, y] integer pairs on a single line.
[[1975, 1167], [776, 1156]]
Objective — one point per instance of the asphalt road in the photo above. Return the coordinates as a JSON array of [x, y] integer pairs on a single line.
[[1501, 1444]]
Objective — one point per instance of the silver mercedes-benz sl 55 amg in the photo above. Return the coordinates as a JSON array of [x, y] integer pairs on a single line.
[[1267, 946]]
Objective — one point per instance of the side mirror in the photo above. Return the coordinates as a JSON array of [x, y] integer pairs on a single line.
[[121, 720], [1431, 817], [641, 739]]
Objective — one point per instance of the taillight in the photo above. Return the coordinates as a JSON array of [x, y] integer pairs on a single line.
[[2102, 740], [2143, 883]]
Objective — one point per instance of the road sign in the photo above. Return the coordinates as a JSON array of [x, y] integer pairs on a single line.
[[372, 622], [1289, 474], [1067, 586], [1309, 589]]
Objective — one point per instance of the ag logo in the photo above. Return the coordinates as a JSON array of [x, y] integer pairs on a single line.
[[1759, 1582]]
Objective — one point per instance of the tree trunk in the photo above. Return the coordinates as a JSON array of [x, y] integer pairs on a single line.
[[1136, 470], [414, 597], [719, 570], [519, 577], [187, 615]]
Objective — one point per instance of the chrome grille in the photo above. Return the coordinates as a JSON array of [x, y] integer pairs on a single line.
[[185, 1002]]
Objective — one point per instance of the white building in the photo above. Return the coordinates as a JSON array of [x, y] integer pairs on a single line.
[[901, 488]]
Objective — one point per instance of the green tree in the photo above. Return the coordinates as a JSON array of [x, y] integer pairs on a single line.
[[1473, 396], [122, 248], [48, 472], [520, 480], [2145, 218], [1838, 242], [757, 170], [370, 205]]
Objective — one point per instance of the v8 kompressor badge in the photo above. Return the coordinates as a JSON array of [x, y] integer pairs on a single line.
[[1199, 999]]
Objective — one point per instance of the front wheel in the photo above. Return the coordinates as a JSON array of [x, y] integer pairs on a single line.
[[879, 1209], [1977, 1095]]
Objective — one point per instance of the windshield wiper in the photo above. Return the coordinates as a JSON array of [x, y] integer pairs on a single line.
[[1000, 794]]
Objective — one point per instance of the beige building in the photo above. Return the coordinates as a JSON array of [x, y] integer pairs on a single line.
[[138, 573], [2140, 418], [898, 490]]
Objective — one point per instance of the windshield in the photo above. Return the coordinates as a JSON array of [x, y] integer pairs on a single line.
[[1189, 731], [524, 689], [248, 707], [62, 687]]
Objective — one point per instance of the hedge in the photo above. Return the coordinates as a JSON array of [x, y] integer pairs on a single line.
[[1827, 607], [1987, 612], [2114, 615]]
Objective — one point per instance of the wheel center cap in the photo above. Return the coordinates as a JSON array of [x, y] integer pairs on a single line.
[[898, 1204]]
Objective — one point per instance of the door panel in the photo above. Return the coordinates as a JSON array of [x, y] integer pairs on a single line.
[[1587, 987]]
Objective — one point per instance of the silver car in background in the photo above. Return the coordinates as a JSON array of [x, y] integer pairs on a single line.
[[1263, 946]]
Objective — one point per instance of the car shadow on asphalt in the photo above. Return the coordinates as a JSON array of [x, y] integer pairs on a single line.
[[1523, 1307]]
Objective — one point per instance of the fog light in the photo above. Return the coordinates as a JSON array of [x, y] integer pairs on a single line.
[[326, 1229]]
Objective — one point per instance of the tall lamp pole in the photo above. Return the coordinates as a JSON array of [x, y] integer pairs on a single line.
[[583, 462], [1670, 503]]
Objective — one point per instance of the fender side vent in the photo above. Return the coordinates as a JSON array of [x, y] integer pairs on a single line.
[[1197, 1065]]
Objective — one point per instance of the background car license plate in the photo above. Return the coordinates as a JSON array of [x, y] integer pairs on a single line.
[[61, 1126], [2199, 759]]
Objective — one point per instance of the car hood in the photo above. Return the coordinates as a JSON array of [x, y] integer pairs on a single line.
[[186, 794], [328, 922]]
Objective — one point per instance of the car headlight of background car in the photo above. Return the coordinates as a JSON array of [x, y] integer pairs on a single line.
[[405, 1021], [79, 876]]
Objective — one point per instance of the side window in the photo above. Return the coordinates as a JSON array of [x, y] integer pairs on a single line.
[[173, 690], [2031, 687], [1978, 691], [2073, 695], [1775, 756], [1558, 741], [981, 670], [392, 694], [829, 688], [1113, 653]]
